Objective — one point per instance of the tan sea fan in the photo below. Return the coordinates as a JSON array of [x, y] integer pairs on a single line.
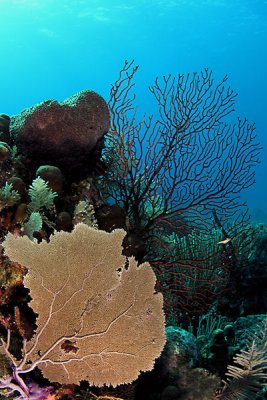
[[99, 318]]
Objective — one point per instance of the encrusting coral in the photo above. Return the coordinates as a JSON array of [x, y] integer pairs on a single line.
[[99, 318]]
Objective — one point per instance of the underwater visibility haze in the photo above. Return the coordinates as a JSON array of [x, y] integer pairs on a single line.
[[133, 199], [52, 49]]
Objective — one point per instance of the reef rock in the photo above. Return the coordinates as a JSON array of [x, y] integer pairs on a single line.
[[180, 351], [63, 134], [53, 176], [4, 128]]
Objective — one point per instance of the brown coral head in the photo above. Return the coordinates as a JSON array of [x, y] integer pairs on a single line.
[[62, 134]]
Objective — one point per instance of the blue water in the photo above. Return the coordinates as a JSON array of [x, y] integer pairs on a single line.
[[54, 48]]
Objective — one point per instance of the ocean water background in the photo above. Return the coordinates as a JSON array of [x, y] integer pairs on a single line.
[[50, 49]]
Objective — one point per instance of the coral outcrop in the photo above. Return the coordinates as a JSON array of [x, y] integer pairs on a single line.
[[62, 134], [4, 128]]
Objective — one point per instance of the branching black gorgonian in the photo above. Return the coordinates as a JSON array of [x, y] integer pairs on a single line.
[[179, 172], [184, 164]]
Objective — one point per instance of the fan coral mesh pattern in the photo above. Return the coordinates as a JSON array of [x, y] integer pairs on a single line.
[[99, 318]]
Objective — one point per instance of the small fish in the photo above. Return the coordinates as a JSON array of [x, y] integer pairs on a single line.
[[225, 241]]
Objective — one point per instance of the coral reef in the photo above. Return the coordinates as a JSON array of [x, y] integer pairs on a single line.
[[4, 128], [105, 219], [177, 173], [62, 134], [248, 374], [8, 196], [100, 320], [53, 176]]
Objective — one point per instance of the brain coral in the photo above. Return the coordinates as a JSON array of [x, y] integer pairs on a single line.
[[62, 134]]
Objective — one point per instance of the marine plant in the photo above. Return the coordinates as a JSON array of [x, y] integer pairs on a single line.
[[98, 316], [179, 171], [248, 374], [41, 195], [8, 196], [34, 224], [187, 161], [41, 198]]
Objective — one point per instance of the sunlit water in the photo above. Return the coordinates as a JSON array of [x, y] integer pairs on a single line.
[[54, 48]]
